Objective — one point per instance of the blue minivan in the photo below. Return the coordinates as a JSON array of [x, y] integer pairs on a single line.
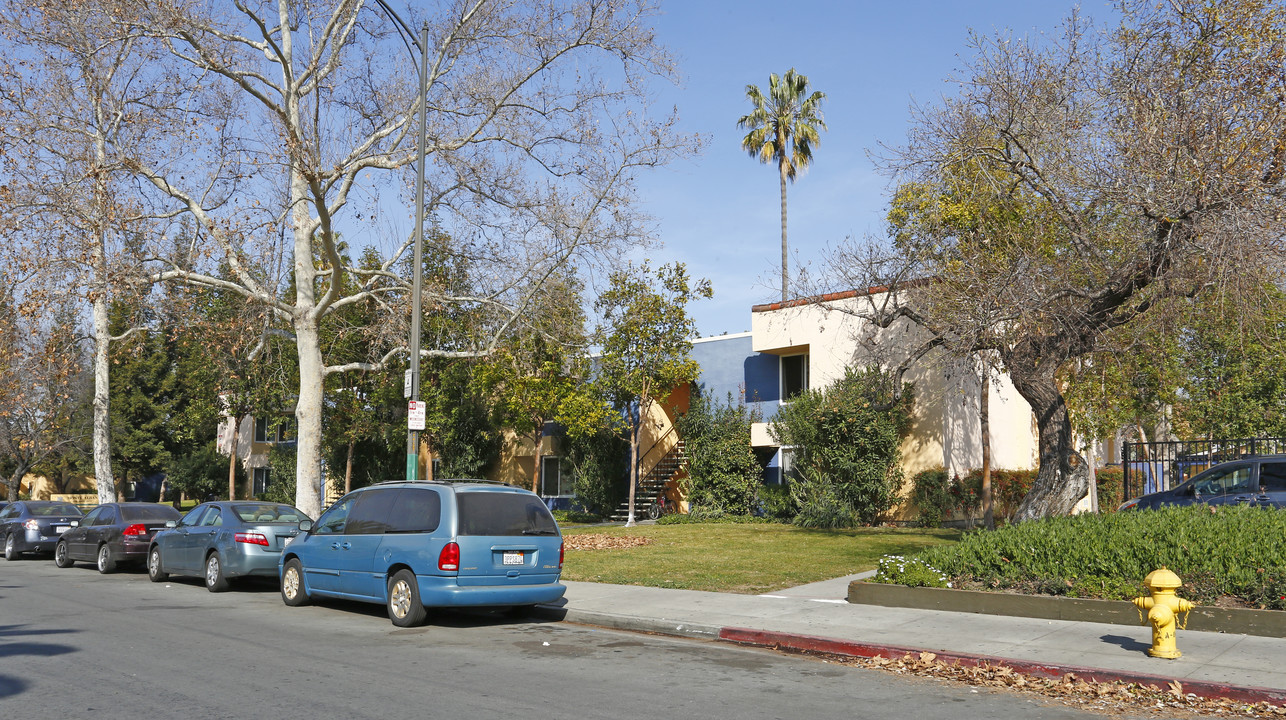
[[416, 545]]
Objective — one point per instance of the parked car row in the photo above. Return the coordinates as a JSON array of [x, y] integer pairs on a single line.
[[410, 546]]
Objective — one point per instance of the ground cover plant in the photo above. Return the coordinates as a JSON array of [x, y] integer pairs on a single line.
[[747, 558], [1230, 555]]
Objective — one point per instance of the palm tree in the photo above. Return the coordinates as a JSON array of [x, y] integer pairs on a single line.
[[783, 127]]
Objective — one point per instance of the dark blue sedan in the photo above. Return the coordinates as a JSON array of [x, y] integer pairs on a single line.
[[34, 526]]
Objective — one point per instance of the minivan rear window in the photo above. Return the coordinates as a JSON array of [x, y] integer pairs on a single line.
[[503, 513]]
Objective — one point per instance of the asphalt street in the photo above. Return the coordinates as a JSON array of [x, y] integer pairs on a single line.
[[74, 643]]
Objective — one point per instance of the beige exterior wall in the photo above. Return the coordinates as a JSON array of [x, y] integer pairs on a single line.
[[39, 487], [945, 428]]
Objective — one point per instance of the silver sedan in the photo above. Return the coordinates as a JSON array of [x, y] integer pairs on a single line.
[[219, 541]]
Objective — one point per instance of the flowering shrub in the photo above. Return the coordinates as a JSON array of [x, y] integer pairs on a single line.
[[912, 572]]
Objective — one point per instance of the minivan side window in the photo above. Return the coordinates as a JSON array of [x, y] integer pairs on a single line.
[[333, 520], [1272, 477], [494, 513], [370, 513], [416, 511]]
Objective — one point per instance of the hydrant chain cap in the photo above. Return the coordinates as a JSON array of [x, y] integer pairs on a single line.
[[1162, 579]]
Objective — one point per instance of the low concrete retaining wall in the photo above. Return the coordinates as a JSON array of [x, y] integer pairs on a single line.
[[1266, 623]]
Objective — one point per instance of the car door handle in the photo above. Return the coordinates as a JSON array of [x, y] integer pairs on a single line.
[[340, 546]]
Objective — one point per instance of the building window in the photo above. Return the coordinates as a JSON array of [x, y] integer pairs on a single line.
[[260, 482], [274, 430], [794, 375], [553, 482]]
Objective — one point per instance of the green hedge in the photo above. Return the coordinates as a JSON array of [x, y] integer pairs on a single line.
[[1229, 551], [939, 497]]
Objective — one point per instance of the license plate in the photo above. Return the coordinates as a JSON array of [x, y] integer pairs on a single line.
[[285, 539], [513, 558], [60, 529]]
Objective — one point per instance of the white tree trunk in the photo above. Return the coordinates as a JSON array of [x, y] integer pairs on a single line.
[[102, 416], [308, 413]]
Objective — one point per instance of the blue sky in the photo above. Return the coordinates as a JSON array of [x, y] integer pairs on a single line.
[[720, 212]]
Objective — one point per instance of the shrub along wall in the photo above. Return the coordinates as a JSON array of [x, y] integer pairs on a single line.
[[939, 497], [1232, 551]]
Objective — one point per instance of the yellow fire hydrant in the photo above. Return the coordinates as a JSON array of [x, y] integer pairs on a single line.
[[1163, 609]]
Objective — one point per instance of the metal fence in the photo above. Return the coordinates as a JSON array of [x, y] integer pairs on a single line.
[[1155, 466]]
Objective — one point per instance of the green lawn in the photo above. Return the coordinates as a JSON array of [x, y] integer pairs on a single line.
[[748, 559]]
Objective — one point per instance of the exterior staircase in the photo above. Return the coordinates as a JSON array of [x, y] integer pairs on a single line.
[[653, 484]]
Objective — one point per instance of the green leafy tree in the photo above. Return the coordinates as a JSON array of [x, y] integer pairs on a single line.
[[360, 403], [142, 384], [784, 125], [1140, 166], [533, 374], [847, 439], [199, 473], [595, 447], [723, 474], [646, 343]]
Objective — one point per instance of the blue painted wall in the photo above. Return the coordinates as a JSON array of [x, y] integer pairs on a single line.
[[731, 366]]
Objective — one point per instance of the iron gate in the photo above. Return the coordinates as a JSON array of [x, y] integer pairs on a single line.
[[1156, 466]]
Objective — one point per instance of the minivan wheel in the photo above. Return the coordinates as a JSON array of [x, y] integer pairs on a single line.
[[61, 558], [404, 607], [214, 579], [292, 584], [106, 563], [154, 571]]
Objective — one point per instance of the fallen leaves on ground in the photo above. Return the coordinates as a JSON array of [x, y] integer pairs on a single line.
[[604, 542], [1088, 694]]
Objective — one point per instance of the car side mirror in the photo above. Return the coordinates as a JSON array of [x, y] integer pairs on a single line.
[[74, 523], [171, 523], [306, 525]]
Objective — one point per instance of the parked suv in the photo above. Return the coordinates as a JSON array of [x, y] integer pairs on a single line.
[[1251, 481], [461, 543]]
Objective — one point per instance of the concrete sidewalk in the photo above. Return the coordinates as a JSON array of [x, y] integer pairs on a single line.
[[817, 618]]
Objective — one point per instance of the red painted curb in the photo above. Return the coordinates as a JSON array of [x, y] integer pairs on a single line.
[[810, 643]]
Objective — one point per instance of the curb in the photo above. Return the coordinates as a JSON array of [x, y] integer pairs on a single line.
[[822, 645], [813, 644]]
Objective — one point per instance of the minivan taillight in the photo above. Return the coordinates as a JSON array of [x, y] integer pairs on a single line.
[[449, 558], [562, 547], [136, 529]]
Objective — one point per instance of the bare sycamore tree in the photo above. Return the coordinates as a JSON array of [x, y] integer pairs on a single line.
[[537, 124], [81, 91], [1075, 187]]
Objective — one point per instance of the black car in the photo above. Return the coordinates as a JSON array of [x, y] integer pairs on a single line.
[[1259, 481], [113, 534], [34, 526]]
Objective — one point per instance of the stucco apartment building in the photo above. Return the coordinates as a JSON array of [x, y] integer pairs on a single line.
[[808, 343]]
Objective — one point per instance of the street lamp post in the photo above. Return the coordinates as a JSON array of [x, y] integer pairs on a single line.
[[408, 39]]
